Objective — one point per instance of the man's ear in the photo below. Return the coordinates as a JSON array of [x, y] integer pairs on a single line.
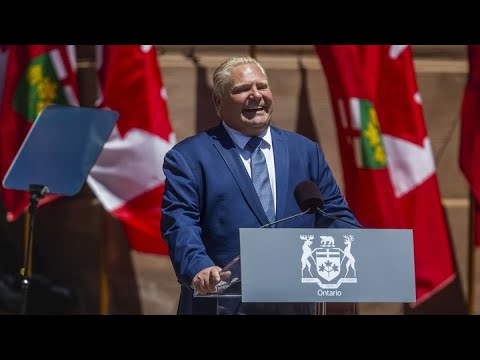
[[217, 101]]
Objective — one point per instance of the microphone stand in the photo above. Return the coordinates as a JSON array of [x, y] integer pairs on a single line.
[[287, 218], [358, 226], [323, 308]]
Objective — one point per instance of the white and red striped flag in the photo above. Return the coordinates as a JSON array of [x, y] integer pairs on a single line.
[[128, 178]]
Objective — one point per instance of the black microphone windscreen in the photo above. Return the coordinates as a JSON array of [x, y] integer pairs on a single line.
[[308, 196]]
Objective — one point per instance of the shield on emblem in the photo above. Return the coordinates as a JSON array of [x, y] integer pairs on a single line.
[[328, 263]]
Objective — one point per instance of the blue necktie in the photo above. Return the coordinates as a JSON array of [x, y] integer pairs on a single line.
[[260, 178]]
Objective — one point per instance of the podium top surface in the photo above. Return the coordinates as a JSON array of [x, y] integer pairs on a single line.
[[60, 149]]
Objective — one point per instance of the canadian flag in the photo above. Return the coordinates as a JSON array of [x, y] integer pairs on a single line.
[[31, 77], [389, 169], [128, 178]]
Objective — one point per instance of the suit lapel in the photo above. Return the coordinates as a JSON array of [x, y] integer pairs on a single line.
[[280, 150], [229, 153]]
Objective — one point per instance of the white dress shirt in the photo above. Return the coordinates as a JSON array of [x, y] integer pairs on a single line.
[[266, 147]]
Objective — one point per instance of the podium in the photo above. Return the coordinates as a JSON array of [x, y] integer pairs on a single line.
[[313, 267]]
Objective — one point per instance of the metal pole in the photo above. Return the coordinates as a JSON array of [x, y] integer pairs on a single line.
[[25, 244], [36, 193], [471, 256], [86, 88], [321, 308], [26, 270], [253, 51], [104, 288]]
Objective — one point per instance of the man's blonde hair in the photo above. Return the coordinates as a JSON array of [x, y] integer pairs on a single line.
[[221, 76]]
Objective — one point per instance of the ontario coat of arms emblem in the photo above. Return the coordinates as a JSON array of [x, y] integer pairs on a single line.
[[330, 263]]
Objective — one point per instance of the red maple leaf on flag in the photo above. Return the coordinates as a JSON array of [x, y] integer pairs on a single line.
[[128, 178]]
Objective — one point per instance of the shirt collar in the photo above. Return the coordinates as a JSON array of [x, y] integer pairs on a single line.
[[241, 140]]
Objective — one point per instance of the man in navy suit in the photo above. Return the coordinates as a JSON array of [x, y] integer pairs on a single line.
[[209, 194]]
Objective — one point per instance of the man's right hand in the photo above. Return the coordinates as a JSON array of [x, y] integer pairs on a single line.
[[206, 280]]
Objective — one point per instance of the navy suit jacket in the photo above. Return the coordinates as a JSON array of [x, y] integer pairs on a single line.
[[209, 196]]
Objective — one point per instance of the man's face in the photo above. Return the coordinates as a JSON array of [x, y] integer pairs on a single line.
[[247, 104]]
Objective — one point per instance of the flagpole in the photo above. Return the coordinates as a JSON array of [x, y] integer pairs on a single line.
[[86, 100], [104, 289], [253, 51], [471, 256]]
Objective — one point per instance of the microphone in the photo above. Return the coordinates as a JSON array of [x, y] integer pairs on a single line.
[[308, 197]]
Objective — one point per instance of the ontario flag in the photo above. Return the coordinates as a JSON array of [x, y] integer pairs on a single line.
[[389, 169], [31, 77], [470, 133], [128, 178]]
